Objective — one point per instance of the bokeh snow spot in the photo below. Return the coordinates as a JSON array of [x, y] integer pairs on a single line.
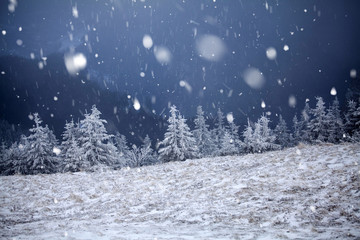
[[263, 105], [333, 91], [286, 48], [254, 78], [136, 104], [147, 41], [271, 53], [19, 42], [75, 62], [56, 150], [230, 117], [185, 85], [210, 47], [292, 101], [353, 73], [12, 5], [162, 55], [75, 12]]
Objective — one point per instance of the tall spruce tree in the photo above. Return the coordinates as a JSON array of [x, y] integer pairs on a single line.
[[304, 124], [335, 122], [187, 142], [319, 123], [202, 135], [72, 154], [39, 156], [248, 146], [178, 143], [169, 148], [296, 130], [233, 131], [219, 131], [351, 120], [95, 143], [282, 133]]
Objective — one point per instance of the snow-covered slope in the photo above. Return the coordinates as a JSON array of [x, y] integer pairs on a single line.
[[305, 192]]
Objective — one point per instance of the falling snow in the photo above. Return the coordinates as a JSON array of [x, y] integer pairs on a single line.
[[136, 104], [254, 78], [271, 53], [75, 62], [210, 47], [147, 41]]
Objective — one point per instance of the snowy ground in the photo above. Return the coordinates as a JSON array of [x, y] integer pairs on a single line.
[[308, 192]]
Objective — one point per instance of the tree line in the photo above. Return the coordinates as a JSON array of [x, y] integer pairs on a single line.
[[87, 146]]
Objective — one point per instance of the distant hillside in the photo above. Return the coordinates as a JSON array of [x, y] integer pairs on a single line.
[[306, 192], [51, 91]]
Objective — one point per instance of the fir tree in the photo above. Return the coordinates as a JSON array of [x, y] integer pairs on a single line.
[[150, 156], [351, 120], [263, 137], [178, 143], [39, 156], [170, 150], [318, 125], [142, 156], [122, 149], [219, 131], [187, 142], [228, 145], [304, 124], [71, 152], [234, 135], [296, 130], [248, 146], [282, 133], [356, 132], [335, 122], [202, 135], [95, 142]]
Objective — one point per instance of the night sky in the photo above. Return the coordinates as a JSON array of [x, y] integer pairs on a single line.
[[196, 52]]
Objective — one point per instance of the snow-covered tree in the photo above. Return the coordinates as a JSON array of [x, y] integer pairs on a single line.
[[304, 124], [282, 133], [39, 156], [335, 123], [228, 145], [263, 137], [187, 142], [178, 143], [169, 147], [248, 146], [233, 131], [356, 135], [202, 135], [296, 130], [3, 156], [319, 123], [14, 161], [95, 143], [123, 150], [219, 131], [141, 156], [150, 156], [352, 121], [72, 155]]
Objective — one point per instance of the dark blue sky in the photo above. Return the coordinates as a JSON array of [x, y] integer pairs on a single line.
[[322, 39]]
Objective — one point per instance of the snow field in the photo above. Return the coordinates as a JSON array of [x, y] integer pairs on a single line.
[[306, 192]]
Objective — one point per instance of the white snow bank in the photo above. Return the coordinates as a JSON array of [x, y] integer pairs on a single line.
[[275, 195]]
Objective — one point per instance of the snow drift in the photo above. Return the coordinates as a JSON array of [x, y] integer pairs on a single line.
[[309, 192]]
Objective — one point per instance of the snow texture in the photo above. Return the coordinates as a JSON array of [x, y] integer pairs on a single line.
[[306, 192]]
